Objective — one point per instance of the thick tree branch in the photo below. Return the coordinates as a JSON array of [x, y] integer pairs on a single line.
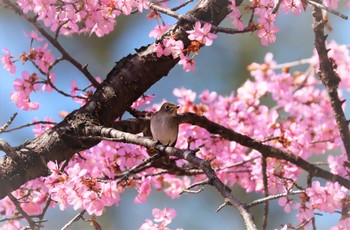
[[330, 78]]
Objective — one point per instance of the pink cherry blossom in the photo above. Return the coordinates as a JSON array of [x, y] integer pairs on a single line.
[[295, 6], [236, 16], [175, 48], [166, 215], [41, 128], [267, 34], [23, 102], [328, 198], [188, 64], [8, 63], [202, 34], [158, 30], [143, 100], [34, 35]]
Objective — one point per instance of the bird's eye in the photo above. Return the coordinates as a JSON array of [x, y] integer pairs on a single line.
[[167, 107]]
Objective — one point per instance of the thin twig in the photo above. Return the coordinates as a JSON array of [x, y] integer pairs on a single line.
[[266, 192], [133, 169], [31, 222], [223, 205], [237, 164], [8, 123], [30, 124], [189, 188], [76, 218], [273, 197], [182, 5], [326, 8], [214, 29]]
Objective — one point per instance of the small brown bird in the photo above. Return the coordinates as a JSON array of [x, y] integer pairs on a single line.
[[165, 125]]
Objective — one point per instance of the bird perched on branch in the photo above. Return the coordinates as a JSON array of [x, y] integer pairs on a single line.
[[164, 125]]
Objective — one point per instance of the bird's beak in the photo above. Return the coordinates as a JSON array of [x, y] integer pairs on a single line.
[[177, 106]]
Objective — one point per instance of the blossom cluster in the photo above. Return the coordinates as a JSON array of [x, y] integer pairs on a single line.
[[164, 217], [42, 58], [200, 35], [75, 17]]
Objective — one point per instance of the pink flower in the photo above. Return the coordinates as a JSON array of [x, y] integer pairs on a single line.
[[296, 6], [158, 30], [286, 203], [23, 102], [327, 198], [267, 34], [202, 34], [166, 215], [342, 224], [188, 64], [125, 6], [41, 128], [143, 192], [8, 64], [208, 97], [11, 225], [175, 48], [34, 35], [149, 225], [46, 86], [143, 100], [73, 88], [92, 203], [236, 15]]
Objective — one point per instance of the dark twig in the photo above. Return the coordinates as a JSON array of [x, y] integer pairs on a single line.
[[30, 124], [128, 173], [215, 29], [273, 197], [330, 10], [266, 192], [30, 221], [182, 5], [238, 164], [309, 184], [189, 188], [8, 123], [76, 218], [227, 202]]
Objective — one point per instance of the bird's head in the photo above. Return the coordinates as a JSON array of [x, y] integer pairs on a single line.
[[169, 108]]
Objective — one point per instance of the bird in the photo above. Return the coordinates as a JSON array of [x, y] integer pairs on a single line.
[[165, 126]]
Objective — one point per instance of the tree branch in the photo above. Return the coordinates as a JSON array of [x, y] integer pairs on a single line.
[[330, 78]]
